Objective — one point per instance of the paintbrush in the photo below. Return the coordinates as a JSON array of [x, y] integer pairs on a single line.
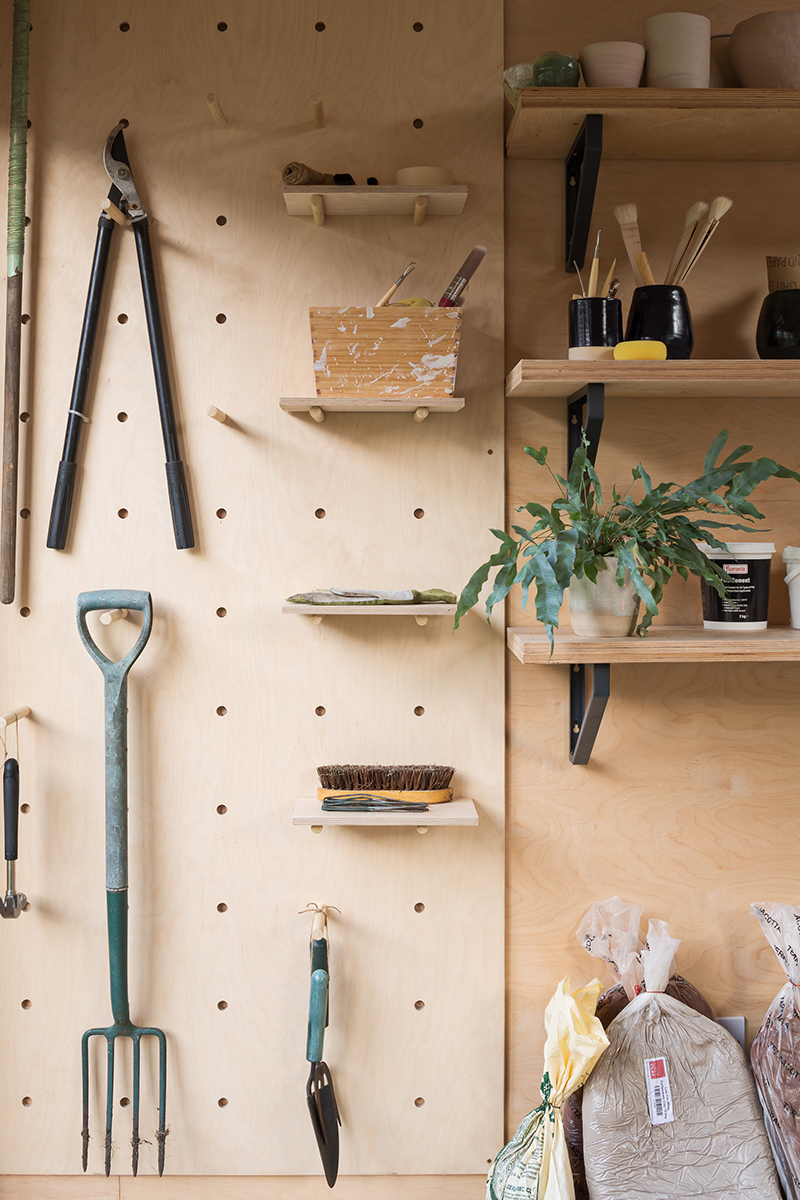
[[626, 215], [693, 218], [384, 300], [716, 211], [604, 290], [595, 267], [643, 263], [462, 277], [580, 281]]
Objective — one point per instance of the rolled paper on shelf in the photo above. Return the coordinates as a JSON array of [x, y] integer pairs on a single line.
[[640, 350], [297, 174]]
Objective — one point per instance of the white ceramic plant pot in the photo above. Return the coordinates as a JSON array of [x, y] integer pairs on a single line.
[[603, 609], [765, 50], [612, 64], [678, 49]]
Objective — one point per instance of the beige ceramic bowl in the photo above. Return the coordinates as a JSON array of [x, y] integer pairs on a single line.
[[612, 64], [765, 50]]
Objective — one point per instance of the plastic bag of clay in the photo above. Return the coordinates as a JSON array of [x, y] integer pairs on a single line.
[[775, 1053], [672, 1109], [534, 1165]]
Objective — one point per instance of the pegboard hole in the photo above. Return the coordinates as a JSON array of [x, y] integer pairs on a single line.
[[222, 809], [419, 513], [30, 124], [222, 908], [25, 808], [319, 513], [222, 1005], [222, 710], [419, 907], [124, 27], [418, 27], [222, 26], [418, 123], [122, 513], [319, 710], [122, 417], [24, 513], [26, 1100], [222, 220], [25, 612], [419, 1005], [222, 612], [419, 711], [223, 1100], [26, 1004], [320, 26], [220, 318], [123, 318], [27, 222], [490, 452], [222, 513], [420, 1100], [24, 417], [25, 318], [124, 1101]]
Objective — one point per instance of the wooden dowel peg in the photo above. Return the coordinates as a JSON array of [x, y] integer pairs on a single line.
[[420, 208], [317, 828], [316, 414], [11, 718], [116, 214], [420, 414], [317, 209], [317, 112], [421, 620], [422, 829], [217, 414], [220, 120], [113, 614], [318, 619]]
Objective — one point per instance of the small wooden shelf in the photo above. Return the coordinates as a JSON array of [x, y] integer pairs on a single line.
[[443, 201], [664, 643], [655, 123], [371, 610], [456, 812], [389, 404], [702, 378]]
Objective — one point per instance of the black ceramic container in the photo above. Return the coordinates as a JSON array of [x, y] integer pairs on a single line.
[[778, 329], [660, 313], [595, 321]]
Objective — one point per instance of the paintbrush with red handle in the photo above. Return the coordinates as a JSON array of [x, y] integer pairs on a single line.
[[462, 277]]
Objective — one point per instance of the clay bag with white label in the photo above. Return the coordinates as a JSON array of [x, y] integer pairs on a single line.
[[775, 1053], [671, 1110]]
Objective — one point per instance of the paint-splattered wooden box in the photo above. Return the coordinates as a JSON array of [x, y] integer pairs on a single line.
[[391, 352]]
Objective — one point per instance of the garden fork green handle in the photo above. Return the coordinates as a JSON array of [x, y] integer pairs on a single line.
[[115, 675]]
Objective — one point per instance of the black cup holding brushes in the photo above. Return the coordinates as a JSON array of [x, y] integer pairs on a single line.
[[660, 313], [594, 322]]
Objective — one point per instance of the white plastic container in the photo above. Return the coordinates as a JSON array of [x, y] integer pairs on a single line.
[[791, 557], [743, 609]]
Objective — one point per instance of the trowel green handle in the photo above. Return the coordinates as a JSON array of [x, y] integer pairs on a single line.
[[116, 722], [317, 1011]]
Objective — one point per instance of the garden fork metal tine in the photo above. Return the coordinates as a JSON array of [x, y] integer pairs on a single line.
[[135, 1139], [110, 1038]]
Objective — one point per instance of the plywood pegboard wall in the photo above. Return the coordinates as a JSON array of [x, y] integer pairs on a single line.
[[232, 704]]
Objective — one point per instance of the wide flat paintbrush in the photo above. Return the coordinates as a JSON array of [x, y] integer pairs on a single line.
[[626, 214], [462, 277], [693, 218], [716, 211]]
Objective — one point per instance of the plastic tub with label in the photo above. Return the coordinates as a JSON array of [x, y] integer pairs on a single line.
[[743, 608]]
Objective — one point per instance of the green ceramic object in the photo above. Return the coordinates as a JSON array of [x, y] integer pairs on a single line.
[[552, 69]]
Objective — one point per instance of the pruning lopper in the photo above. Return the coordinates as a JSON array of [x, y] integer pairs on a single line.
[[123, 197]]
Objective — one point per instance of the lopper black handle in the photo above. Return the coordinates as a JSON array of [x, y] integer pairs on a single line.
[[62, 505], [11, 807], [179, 505]]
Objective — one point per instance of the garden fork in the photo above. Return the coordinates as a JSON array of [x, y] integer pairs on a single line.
[[116, 721]]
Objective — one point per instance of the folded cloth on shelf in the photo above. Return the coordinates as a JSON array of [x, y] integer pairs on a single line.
[[373, 596]]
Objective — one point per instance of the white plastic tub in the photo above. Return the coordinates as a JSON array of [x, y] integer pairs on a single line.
[[743, 609], [791, 558]]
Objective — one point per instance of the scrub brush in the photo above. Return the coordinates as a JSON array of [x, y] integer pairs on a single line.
[[412, 784]]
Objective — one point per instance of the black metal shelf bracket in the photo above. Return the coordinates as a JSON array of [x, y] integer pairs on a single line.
[[593, 397], [582, 165], [585, 718]]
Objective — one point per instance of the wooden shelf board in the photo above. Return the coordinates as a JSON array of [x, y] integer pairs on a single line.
[[389, 404], [710, 378], [371, 610], [376, 201], [656, 123], [664, 643], [308, 811]]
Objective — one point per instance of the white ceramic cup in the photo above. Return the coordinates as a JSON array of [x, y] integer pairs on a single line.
[[612, 64], [678, 49]]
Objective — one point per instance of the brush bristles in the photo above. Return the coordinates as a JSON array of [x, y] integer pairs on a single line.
[[717, 208], [472, 262], [626, 214], [388, 779], [694, 214]]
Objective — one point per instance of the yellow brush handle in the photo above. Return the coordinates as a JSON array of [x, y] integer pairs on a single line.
[[412, 797], [609, 277], [593, 273]]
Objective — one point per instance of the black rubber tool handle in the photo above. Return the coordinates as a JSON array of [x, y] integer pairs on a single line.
[[11, 807]]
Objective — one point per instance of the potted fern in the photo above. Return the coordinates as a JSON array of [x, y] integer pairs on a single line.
[[627, 550]]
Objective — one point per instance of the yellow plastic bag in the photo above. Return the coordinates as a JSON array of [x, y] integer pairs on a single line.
[[535, 1165]]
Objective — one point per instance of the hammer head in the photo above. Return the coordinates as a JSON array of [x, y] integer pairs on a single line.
[[13, 904]]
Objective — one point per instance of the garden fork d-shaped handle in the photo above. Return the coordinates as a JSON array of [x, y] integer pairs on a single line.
[[116, 723]]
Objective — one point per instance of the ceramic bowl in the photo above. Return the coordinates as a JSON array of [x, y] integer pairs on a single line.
[[765, 50], [612, 64], [515, 79]]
